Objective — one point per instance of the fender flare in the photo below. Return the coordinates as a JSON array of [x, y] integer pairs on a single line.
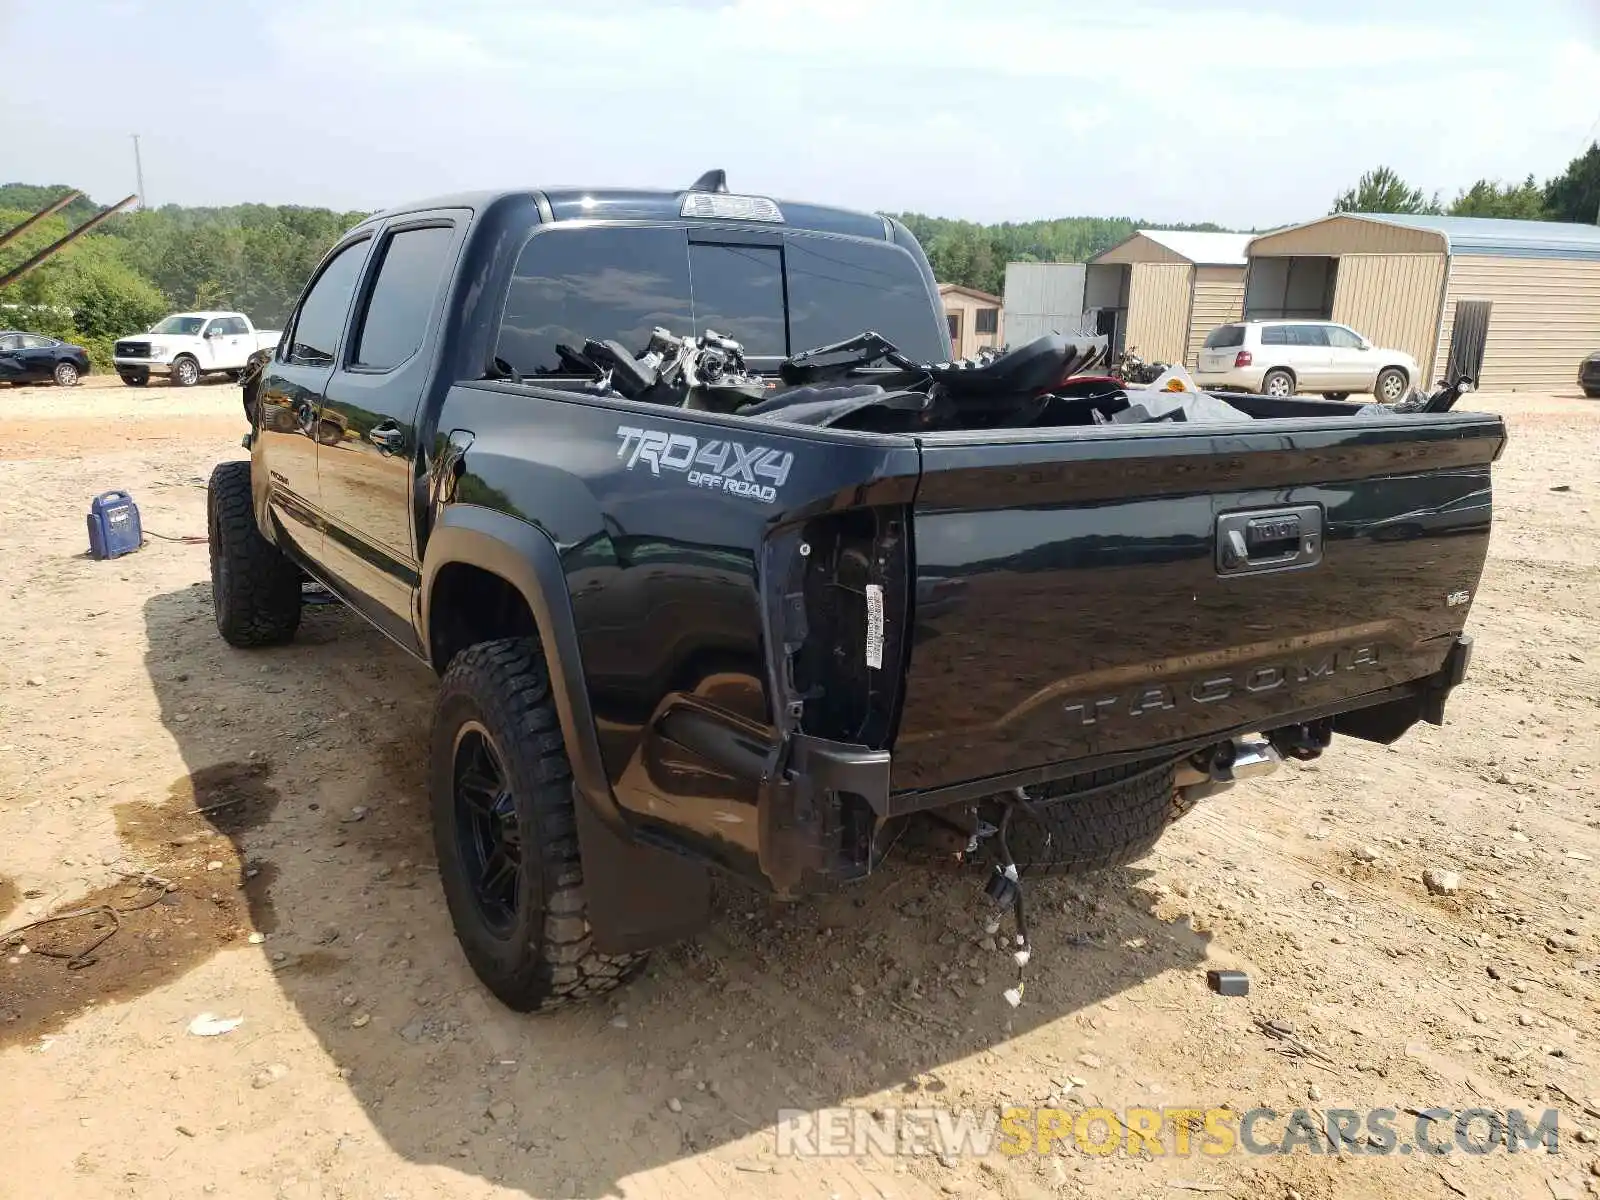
[[639, 896], [526, 557]]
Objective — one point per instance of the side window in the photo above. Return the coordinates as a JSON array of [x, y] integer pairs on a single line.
[[403, 297], [216, 327], [1275, 335], [1309, 335], [613, 284], [32, 341], [320, 320], [234, 325], [738, 292], [1343, 338], [11, 341]]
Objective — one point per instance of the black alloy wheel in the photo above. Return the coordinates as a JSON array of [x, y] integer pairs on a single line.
[[487, 830]]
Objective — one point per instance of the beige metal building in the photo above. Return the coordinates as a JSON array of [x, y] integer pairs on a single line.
[[1514, 303], [1161, 291], [973, 318]]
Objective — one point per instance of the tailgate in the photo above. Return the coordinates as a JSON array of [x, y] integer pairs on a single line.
[[1113, 591]]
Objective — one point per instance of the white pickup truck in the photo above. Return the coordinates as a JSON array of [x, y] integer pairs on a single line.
[[189, 345]]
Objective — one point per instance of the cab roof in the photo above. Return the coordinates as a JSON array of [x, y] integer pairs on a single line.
[[629, 204]]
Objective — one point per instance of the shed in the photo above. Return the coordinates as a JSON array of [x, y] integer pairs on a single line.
[[1042, 298], [1516, 304], [1162, 290], [973, 318]]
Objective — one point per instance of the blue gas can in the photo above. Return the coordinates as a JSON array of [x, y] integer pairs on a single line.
[[114, 527]]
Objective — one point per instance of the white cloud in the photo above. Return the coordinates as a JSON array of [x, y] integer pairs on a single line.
[[1011, 109]]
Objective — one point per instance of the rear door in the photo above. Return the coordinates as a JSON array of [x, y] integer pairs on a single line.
[[1311, 356], [292, 388], [366, 431], [1354, 368], [234, 346], [1080, 598]]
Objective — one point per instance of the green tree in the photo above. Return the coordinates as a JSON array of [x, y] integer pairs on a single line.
[[86, 292], [976, 255], [1574, 195], [1381, 190], [1488, 198], [29, 198]]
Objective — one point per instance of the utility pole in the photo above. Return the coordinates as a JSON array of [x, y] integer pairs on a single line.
[[138, 170]]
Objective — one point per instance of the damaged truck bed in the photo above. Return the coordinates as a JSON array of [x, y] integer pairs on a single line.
[[778, 610]]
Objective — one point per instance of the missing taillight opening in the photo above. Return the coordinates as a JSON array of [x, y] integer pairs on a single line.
[[846, 671]]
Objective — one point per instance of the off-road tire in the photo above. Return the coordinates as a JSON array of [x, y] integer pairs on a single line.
[[546, 959], [185, 371], [1277, 373], [1094, 832], [255, 588]]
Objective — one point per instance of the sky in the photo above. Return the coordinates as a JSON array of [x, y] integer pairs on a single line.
[[993, 110]]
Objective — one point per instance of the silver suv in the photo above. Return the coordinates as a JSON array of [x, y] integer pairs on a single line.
[[1281, 358]]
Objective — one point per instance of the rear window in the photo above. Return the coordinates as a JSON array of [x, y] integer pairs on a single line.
[[620, 282], [738, 291], [1226, 336]]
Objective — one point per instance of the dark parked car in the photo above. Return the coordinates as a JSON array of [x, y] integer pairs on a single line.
[[1589, 376], [34, 358]]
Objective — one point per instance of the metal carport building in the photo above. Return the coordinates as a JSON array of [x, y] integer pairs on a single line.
[[1514, 303], [1162, 290]]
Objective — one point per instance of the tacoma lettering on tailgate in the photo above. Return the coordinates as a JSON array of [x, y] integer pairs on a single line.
[[1164, 697]]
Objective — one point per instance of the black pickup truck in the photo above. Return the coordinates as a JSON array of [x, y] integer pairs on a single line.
[[723, 566]]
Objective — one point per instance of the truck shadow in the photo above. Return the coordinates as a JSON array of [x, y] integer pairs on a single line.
[[774, 1007]]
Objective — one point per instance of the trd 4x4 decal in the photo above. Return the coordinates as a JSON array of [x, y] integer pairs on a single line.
[[754, 472]]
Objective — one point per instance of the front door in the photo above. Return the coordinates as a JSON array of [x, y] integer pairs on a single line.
[[366, 434], [290, 400], [38, 355], [214, 344]]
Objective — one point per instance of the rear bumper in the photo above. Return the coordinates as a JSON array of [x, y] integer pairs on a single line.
[[821, 803], [1247, 379]]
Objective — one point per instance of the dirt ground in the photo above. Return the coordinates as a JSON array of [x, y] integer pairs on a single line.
[[261, 818]]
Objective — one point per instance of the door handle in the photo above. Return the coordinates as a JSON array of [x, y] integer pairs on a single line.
[[388, 437], [1270, 539]]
